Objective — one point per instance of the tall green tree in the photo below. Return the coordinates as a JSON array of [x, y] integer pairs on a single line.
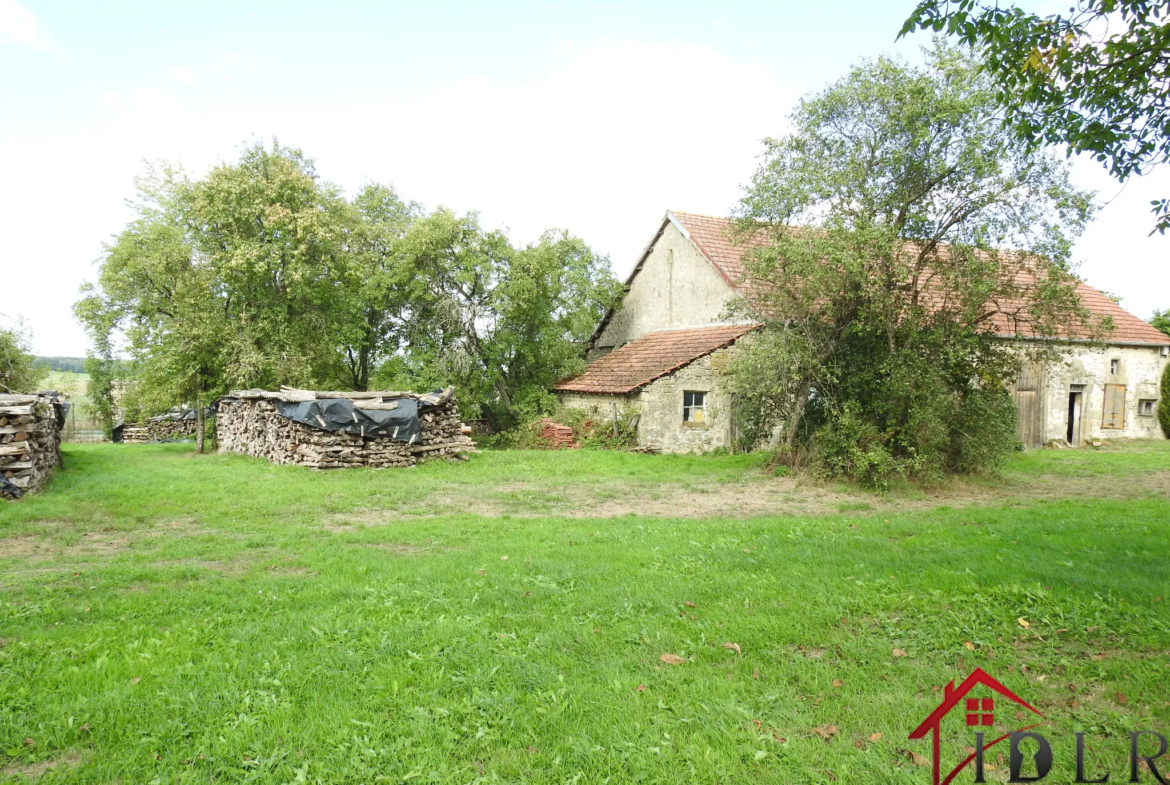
[[385, 294], [502, 323], [260, 274], [1094, 78], [1161, 320], [19, 372], [902, 230]]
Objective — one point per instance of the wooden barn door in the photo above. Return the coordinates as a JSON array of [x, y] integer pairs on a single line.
[[1029, 405], [1113, 411]]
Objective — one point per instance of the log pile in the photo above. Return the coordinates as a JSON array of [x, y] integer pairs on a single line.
[[249, 422], [30, 440], [176, 425]]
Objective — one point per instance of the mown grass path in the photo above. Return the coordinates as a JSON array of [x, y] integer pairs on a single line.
[[175, 618]]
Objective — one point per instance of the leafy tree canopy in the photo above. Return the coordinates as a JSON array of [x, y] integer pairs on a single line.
[[19, 371], [1095, 79], [1161, 320], [902, 231], [261, 274]]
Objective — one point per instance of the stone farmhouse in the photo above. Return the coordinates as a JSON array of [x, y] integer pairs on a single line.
[[661, 354]]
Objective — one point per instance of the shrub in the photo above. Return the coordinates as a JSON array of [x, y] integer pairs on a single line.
[[591, 429], [1164, 403]]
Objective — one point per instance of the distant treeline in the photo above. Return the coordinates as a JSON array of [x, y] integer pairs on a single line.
[[71, 364]]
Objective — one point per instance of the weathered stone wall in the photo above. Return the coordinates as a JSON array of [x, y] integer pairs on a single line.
[[676, 287], [1140, 370], [660, 407]]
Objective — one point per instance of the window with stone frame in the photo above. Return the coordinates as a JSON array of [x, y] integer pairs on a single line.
[[1146, 407], [694, 407]]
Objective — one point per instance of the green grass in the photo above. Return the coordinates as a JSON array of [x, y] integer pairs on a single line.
[[173, 617]]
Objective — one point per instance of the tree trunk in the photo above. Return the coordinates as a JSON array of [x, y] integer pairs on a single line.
[[794, 418], [199, 425]]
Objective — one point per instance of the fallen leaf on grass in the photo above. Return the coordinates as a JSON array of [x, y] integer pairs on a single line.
[[875, 737], [899, 652], [672, 659], [969, 646], [136, 679], [730, 645], [1023, 622], [503, 558], [691, 604], [755, 673], [838, 683], [533, 749], [1121, 699], [917, 759], [779, 739], [641, 688], [826, 732]]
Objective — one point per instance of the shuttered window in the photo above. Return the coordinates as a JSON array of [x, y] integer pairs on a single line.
[[1113, 413]]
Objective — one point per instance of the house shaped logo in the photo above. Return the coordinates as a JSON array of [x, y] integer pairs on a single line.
[[978, 712]]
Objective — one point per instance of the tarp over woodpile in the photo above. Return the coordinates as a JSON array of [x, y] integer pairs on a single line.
[[342, 429], [388, 415]]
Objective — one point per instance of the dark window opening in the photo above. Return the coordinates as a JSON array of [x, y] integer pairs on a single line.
[[1115, 366], [694, 407], [1146, 408]]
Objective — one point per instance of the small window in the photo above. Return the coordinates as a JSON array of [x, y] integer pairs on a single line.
[[694, 407], [1146, 408], [1115, 366]]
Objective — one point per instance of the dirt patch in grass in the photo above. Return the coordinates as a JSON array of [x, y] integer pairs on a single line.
[[398, 549], [33, 771], [226, 568], [748, 497]]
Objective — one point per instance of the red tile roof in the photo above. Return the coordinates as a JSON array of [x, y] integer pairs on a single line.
[[650, 357], [712, 236]]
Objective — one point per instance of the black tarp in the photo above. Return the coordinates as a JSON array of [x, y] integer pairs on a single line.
[[340, 414], [61, 407]]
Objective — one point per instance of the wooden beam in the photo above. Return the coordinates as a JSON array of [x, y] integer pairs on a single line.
[[16, 448], [15, 410]]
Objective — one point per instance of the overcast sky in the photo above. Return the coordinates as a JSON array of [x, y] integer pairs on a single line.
[[592, 117]]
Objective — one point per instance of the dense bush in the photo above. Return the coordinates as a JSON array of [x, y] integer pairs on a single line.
[[1164, 403], [591, 429]]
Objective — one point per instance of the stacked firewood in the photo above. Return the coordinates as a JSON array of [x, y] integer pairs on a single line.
[[165, 427], [249, 422], [30, 440], [135, 434]]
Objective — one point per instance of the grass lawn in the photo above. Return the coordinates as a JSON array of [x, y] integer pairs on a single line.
[[168, 617]]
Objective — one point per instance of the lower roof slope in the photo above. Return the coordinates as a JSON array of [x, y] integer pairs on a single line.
[[651, 357]]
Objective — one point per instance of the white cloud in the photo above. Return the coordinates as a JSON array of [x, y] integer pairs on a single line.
[[185, 75], [19, 25], [601, 144]]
